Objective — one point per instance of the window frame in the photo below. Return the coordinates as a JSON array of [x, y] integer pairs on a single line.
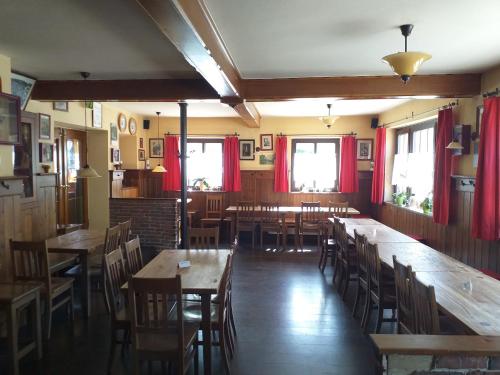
[[336, 141], [203, 142], [411, 129]]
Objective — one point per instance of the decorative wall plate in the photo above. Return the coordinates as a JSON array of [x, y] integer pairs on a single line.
[[132, 126], [122, 122]]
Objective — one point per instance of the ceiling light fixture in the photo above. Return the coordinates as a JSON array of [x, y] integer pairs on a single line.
[[87, 171], [455, 145], [329, 120], [159, 168], [406, 64]]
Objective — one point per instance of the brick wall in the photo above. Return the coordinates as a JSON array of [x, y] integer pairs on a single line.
[[455, 364], [153, 220]]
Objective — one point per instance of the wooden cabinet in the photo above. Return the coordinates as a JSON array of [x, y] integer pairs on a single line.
[[116, 180]]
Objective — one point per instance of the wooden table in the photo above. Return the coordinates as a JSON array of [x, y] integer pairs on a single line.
[[462, 292], [13, 298], [82, 243], [203, 278]]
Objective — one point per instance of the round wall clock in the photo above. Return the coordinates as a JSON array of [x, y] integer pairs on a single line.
[[132, 126], [122, 122]]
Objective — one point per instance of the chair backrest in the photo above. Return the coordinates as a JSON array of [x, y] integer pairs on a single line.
[[338, 209], [426, 310], [374, 268], [245, 211], [404, 299], [155, 307], [133, 254], [269, 212], [361, 262], [310, 212], [112, 240], [343, 240], [214, 206], [125, 231], [30, 262], [204, 238], [114, 268], [224, 290]]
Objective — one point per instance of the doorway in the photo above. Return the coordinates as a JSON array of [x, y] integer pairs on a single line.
[[72, 192]]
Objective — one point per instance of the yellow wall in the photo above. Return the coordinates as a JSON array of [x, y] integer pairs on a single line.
[[6, 161], [269, 125]]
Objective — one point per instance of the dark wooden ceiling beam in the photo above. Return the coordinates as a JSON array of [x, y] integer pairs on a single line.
[[247, 110], [164, 90], [369, 87]]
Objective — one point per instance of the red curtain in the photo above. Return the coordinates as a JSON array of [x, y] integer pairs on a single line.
[[171, 162], [348, 181], [486, 210], [442, 168], [232, 181], [281, 166], [378, 181]]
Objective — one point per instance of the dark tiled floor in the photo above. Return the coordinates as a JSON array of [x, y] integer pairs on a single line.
[[289, 321]]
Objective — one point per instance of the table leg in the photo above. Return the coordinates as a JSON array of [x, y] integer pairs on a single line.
[[207, 334], [12, 333], [86, 308], [284, 230], [297, 229], [37, 326]]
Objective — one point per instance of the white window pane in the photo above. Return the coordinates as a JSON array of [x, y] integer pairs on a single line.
[[315, 166], [325, 166], [204, 162]]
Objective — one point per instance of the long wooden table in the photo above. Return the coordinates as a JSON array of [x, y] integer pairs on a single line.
[[82, 243], [203, 278], [462, 292]]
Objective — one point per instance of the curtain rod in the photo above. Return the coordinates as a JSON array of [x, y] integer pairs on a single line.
[[495, 92], [207, 135], [316, 135], [413, 115]]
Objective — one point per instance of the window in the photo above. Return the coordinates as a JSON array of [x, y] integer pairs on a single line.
[[414, 160], [315, 164], [204, 163]]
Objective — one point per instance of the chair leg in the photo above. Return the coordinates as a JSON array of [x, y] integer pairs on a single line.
[[366, 317], [346, 285], [261, 238], [321, 255], [356, 300], [335, 268], [341, 278], [195, 359], [231, 320], [229, 339], [112, 347], [48, 318], [72, 305]]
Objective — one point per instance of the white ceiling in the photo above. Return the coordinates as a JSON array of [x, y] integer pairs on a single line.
[[295, 108], [297, 38], [112, 39]]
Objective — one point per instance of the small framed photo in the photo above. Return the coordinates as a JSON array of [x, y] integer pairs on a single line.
[[46, 152], [365, 149], [156, 147], [113, 133], [479, 116], [115, 155], [60, 106], [44, 122], [142, 154], [266, 142], [22, 85], [141, 142], [10, 119], [97, 115], [247, 149]]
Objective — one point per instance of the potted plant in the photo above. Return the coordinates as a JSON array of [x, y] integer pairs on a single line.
[[426, 205], [400, 198], [46, 168]]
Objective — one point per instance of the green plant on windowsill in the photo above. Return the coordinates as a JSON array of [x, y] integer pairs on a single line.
[[426, 205], [201, 183], [400, 198]]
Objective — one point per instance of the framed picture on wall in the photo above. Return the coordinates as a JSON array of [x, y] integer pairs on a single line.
[[115, 155], [10, 119], [266, 142], [247, 149], [156, 147], [479, 116], [97, 115], [60, 106], [142, 154], [113, 133], [44, 122], [364, 149], [22, 85], [46, 152]]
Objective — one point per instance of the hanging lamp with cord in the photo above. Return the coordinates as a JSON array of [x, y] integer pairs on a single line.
[[159, 168], [87, 171], [329, 120], [455, 145], [405, 64]]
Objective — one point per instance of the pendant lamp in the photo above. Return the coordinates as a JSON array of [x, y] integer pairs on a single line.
[[159, 168], [406, 64], [87, 171], [329, 120], [455, 145]]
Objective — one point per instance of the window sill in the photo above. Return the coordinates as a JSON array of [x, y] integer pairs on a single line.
[[206, 191], [418, 211]]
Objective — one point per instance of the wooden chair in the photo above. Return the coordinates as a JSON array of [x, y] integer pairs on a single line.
[[124, 232], [311, 222], [133, 255], [338, 209], [214, 212], [114, 268], [362, 271], [346, 259], [329, 244], [245, 219], [221, 315], [425, 307], [270, 222], [204, 238], [157, 325], [382, 291], [30, 262], [404, 299]]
